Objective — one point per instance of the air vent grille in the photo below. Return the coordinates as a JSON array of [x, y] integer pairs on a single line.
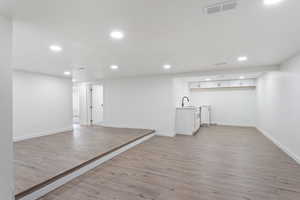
[[213, 9], [229, 5], [220, 7]]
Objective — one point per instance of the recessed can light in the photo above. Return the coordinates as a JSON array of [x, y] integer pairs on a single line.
[[114, 67], [272, 2], [242, 58], [67, 73], [242, 77], [208, 79], [167, 67], [118, 35], [55, 48]]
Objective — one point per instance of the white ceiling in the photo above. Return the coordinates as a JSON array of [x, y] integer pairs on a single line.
[[175, 32], [6, 7]]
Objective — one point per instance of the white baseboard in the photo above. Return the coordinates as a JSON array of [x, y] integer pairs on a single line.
[[104, 124], [157, 132], [54, 185], [281, 146], [165, 133], [233, 124], [44, 133]]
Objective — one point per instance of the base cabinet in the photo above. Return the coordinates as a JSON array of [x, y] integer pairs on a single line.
[[187, 120]]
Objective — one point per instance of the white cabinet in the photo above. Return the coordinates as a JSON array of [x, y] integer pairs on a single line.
[[187, 120], [223, 84], [242, 83]]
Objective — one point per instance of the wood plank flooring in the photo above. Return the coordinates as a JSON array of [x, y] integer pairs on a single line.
[[39, 159], [219, 163]]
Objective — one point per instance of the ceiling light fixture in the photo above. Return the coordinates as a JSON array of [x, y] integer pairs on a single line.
[[242, 58], [114, 67], [272, 2], [208, 79], [67, 73], [55, 48], [167, 67], [242, 77], [118, 35]]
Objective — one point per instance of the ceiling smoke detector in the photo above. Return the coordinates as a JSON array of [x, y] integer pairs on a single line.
[[220, 7]]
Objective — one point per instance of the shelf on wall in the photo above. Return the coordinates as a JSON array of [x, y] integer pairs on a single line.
[[212, 88], [229, 84]]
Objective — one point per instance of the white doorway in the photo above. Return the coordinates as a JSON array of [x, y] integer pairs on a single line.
[[87, 104], [96, 104], [76, 106]]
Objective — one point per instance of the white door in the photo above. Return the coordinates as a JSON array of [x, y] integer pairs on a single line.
[[97, 104], [75, 105]]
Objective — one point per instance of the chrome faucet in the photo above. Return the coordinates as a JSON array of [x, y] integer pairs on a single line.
[[182, 100]]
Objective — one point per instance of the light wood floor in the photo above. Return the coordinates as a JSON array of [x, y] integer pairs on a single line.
[[220, 163], [39, 159]]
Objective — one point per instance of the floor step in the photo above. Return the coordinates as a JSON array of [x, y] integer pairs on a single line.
[[55, 182]]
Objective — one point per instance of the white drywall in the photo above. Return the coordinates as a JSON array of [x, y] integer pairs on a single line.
[[41, 105], [181, 89], [278, 102], [6, 155], [230, 106], [144, 102]]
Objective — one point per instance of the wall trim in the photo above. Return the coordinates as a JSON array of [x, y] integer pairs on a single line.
[[234, 124], [165, 133], [280, 146], [44, 133]]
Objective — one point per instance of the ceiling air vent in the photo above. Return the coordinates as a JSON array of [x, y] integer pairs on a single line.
[[213, 9], [230, 5], [220, 7]]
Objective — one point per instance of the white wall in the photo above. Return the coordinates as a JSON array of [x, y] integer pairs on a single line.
[[234, 106], [6, 166], [145, 102], [278, 100], [181, 89], [42, 104]]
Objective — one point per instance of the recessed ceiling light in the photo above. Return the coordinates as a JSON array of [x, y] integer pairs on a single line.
[[272, 2], [118, 35], [114, 67], [242, 58], [55, 48], [242, 77], [67, 73], [208, 79], [167, 67]]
